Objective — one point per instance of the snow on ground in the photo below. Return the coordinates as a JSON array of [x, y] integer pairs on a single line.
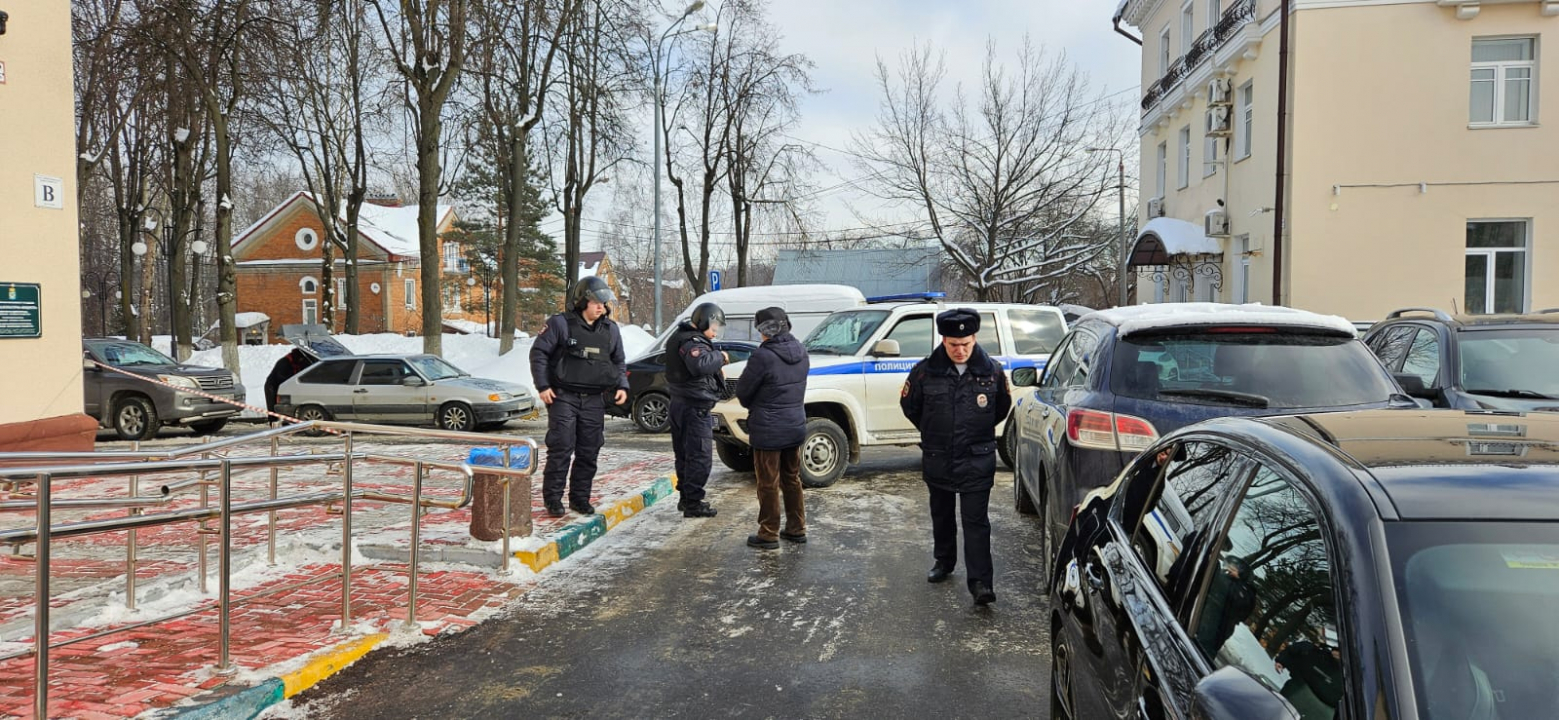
[[475, 354]]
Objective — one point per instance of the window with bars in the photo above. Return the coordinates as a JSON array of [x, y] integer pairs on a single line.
[[1504, 89]]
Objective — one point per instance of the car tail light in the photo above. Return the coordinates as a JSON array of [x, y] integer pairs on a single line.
[[1108, 431]]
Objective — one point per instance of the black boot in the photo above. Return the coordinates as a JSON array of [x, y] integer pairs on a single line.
[[698, 510], [583, 508], [939, 573], [760, 543], [555, 508], [983, 594]]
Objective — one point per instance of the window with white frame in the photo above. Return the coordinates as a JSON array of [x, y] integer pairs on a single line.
[[1247, 119], [1504, 90], [411, 293], [1242, 269], [1163, 169], [451, 256], [310, 312], [1497, 266], [1163, 51], [1209, 148], [1184, 151], [308, 285], [1214, 13], [340, 290], [1187, 26]]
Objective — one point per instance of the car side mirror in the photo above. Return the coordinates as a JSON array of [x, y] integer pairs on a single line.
[[886, 348], [1231, 694], [1025, 377], [1413, 385], [413, 381]]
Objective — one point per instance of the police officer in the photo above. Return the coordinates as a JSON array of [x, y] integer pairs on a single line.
[[693, 374], [576, 360], [955, 398]]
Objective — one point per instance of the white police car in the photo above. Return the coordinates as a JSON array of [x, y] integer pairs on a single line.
[[861, 357]]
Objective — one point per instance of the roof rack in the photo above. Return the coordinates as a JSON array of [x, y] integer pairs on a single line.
[[909, 297], [1440, 315]]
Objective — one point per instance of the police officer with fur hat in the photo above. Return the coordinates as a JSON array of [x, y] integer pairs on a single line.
[[956, 397], [575, 361], [695, 379]]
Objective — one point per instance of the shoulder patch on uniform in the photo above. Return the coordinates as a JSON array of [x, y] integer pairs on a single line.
[[696, 352], [904, 392], [543, 329]]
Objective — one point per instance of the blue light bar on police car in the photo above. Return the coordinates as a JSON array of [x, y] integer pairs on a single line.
[[908, 297]]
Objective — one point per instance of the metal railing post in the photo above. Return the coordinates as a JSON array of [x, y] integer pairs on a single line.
[[416, 539], [271, 516], [200, 531], [346, 533], [503, 568], [41, 613], [225, 561], [130, 546]]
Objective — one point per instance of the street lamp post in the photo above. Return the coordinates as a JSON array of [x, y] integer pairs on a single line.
[[655, 71], [99, 280], [1125, 248], [171, 249]]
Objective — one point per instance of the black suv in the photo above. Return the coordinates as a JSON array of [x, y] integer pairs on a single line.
[[1469, 362]]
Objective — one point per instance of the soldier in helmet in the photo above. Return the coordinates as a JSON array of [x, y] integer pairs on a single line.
[[694, 377], [576, 360], [956, 398]]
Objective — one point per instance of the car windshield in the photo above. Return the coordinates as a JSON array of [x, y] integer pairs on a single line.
[[1511, 363], [1244, 368], [1476, 602], [129, 354], [843, 333], [433, 368]]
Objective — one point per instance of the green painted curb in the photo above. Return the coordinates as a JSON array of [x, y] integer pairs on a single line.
[[238, 706]]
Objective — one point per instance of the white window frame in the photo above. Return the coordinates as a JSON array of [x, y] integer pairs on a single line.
[[306, 239], [310, 307], [308, 285], [1163, 169], [451, 256], [1165, 51], [1242, 269], [1183, 148], [1214, 13], [1500, 70], [340, 289], [411, 294], [1187, 26], [1246, 127], [1209, 147], [1492, 254]]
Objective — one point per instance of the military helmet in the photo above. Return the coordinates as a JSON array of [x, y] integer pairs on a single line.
[[587, 289], [707, 315]]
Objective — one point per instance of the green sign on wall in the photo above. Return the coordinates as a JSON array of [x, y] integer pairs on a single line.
[[21, 310]]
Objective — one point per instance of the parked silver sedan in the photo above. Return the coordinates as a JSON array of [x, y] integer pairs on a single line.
[[401, 390]]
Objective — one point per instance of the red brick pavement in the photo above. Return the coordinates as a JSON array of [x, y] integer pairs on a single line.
[[289, 613]]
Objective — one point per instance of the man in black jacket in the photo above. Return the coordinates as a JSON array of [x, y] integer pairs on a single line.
[[956, 398], [575, 361], [290, 364], [773, 388], [694, 378]]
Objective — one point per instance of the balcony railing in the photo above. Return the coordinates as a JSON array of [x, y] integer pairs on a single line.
[[1206, 44]]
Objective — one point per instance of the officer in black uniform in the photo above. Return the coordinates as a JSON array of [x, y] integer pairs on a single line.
[[576, 360], [956, 398], [693, 374]]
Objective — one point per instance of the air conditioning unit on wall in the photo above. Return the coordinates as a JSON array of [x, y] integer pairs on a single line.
[[1155, 207], [1216, 223], [1220, 91], [1218, 122]]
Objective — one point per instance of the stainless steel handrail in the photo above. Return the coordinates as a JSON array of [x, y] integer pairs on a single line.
[[42, 475]]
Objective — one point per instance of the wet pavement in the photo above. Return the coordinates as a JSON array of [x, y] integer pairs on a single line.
[[670, 617]]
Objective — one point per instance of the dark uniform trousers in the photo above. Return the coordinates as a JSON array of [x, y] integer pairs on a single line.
[[946, 507], [692, 435], [576, 430]]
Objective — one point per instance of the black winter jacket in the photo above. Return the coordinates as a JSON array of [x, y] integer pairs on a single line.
[[693, 367], [549, 348], [957, 417], [773, 389]]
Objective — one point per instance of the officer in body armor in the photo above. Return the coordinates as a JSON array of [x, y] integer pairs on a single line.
[[694, 377], [575, 361]]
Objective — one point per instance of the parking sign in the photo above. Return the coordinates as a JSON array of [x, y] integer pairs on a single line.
[[714, 280]]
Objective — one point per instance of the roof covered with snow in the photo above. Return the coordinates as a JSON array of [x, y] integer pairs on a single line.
[[1166, 237], [394, 229], [1159, 316]]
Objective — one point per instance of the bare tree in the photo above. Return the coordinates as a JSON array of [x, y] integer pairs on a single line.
[[428, 44], [1001, 183]]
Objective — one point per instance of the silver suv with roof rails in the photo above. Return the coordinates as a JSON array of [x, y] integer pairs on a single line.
[[860, 359]]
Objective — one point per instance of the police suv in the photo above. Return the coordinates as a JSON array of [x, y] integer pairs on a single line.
[[860, 359]]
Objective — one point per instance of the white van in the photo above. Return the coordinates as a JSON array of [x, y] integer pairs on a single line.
[[807, 306]]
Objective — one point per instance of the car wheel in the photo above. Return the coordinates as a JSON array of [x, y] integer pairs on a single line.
[[652, 413], [1061, 697], [734, 457], [456, 417], [135, 418], [310, 413], [208, 427], [1005, 449], [824, 453]]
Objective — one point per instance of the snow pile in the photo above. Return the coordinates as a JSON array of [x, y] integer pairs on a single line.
[[1180, 237], [1141, 318]]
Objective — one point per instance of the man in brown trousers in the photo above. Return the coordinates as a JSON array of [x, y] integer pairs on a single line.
[[772, 388]]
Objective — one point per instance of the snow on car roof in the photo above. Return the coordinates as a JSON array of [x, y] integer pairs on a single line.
[[1143, 318]]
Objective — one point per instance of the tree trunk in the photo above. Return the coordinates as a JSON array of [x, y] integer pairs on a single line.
[[509, 300], [427, 220], [227, 276]]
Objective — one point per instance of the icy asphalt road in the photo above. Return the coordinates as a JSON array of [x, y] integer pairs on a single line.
[[668, 617]]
